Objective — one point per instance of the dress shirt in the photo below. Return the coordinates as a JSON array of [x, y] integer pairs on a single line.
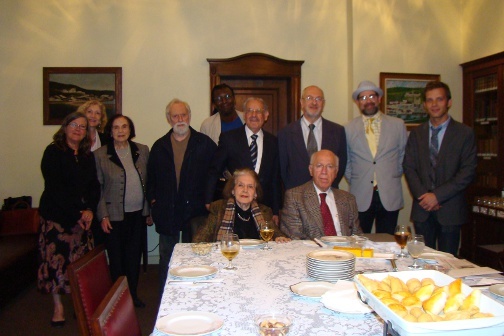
[[317, 131], [441, 132], [259, 142], [331, 203]]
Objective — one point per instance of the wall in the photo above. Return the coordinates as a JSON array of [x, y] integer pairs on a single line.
[[162, 46]]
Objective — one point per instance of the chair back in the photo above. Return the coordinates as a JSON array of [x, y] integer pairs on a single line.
[[90, 282], [115, 316]]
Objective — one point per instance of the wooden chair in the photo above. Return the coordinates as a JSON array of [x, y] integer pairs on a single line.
[[115, 316], [90, 282]]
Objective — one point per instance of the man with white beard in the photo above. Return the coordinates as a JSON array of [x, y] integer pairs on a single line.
[[176, 176]]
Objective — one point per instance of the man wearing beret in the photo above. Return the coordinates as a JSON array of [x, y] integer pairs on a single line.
[[375, 146]]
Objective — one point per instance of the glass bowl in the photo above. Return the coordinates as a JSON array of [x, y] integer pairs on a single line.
[[201, 248], [273, 325]]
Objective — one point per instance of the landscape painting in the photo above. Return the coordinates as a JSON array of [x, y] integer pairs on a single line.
[[402, 96], [65, 89]]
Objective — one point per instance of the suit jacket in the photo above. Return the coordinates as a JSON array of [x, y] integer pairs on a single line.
[[174, 208], [294, 159], [112, 178], [387, 163], [454, 172], [301, 216], [209, 231], [233, 153]]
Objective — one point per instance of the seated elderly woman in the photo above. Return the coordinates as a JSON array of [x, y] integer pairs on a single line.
[[239, 211]]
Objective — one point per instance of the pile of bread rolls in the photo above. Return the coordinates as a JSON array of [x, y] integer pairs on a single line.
[[424, 301]]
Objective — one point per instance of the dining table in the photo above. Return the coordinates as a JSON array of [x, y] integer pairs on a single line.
[[261, 285]]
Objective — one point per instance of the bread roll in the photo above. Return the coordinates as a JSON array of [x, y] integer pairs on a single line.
[[396, 285], [435, 303], [413, 285], [424, 292], [401, 295], [455, 287], [457, 315], [411, 301], [425, 317], [410, 318], [427, 281], [381, 294], [399, 309], [453, 303], [472, 300]]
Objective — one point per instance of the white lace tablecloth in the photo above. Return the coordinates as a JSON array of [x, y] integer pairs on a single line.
[[260, 286]]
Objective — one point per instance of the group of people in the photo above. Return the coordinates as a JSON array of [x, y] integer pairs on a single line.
[[233, 175]]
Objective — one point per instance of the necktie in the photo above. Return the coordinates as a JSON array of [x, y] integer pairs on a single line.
[[329, 229], [311, 144], [253, 150], [433, 153], [370, 136]]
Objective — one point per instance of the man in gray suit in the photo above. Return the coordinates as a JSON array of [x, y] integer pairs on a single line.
[[316, 209], [375, 147], [439, 164]]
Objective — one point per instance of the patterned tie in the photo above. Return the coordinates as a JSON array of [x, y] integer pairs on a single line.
[[433, 150], [329, 229], [253, 150], [311, 145], [370, 136]]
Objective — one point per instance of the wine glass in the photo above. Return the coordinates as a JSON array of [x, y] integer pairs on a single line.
[[267, 233], [230, 247], [416, 245], [401, 235]]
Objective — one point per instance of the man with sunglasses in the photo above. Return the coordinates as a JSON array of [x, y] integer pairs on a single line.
[[376, 144], [311, 133]]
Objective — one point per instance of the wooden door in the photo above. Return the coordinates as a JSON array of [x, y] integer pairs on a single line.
[[275, 80]]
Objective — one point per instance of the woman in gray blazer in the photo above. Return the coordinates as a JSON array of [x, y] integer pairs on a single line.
[[121, 166]]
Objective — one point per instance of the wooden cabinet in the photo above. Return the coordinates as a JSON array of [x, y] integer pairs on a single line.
[[483, 85]]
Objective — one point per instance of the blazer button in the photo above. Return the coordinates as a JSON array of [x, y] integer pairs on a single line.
[[374, 162]]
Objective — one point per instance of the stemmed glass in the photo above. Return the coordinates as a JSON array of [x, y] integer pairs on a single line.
[[401, 235], [230, 247], [416, 245], [267, 233]]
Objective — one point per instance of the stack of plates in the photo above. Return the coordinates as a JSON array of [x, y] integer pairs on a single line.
[[330, 265]]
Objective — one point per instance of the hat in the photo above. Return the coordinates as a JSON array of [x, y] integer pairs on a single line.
[[366, 86]]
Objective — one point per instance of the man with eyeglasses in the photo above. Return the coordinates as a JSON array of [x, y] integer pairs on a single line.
[[376, 144], [316, 209], [311, 133], [226, 117], [439, 164], [252, 147]]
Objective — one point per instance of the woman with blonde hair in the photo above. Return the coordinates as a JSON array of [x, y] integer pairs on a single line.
[[96, 113]]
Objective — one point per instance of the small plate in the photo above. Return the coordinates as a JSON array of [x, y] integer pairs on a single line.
[[497, 290], [312, 289], [434, 254], [251, 243], [196, 271], [335, 240], [192, 323]]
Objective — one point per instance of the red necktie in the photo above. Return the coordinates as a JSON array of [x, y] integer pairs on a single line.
[[329, 229]]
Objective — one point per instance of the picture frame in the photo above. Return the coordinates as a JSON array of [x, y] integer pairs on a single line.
[[66, 88], [402, 96]]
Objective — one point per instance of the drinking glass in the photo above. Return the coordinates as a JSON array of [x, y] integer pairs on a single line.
[[267, 233], [230, 247], [416, 245], [401, 235]]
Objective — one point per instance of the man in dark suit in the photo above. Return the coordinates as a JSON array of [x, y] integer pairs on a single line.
[[236, 150], [177, 170], [440, 162], [301, 138], [315, 209]]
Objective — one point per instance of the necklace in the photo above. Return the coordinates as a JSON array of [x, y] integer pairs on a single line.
[[243, 219]]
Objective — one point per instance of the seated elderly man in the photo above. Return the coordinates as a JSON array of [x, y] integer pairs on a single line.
[[315, 209]]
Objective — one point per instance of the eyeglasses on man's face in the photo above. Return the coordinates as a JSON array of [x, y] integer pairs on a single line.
[[223, 97], [369, 97], [256, 111], [74, 125], [315, 99]]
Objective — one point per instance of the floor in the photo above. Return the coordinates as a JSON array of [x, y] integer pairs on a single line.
[[30, 312]]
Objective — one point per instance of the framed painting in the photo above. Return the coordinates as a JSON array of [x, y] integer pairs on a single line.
[[402, 96], [65, 89]]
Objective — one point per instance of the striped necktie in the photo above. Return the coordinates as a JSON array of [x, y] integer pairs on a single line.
[[253, 150], [433, 153]]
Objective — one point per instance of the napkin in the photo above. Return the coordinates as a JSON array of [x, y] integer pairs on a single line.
[[344, 299]]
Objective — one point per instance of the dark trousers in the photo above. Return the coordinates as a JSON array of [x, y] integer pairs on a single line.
[[386, 221], [124, 248], [446, 236]]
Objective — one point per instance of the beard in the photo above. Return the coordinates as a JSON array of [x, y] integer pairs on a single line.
[[370, 110], [181, 128]]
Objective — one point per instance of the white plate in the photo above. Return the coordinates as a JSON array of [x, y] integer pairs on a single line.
[[196, 271], [335, 240], [435, 254], [312, 289], [192, 323], [250, 243], [497, 290], [331, 255]]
